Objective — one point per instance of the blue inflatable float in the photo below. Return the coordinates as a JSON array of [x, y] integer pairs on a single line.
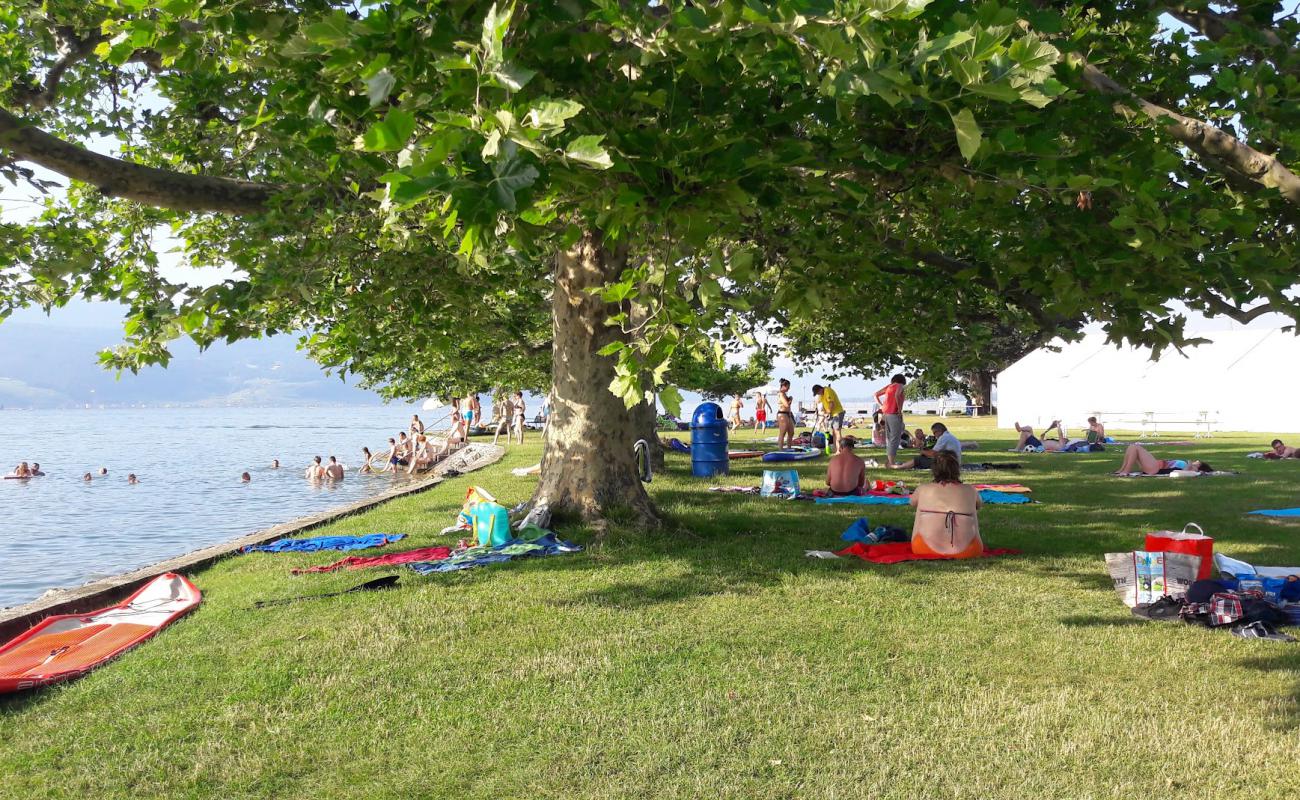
[[797, 454]]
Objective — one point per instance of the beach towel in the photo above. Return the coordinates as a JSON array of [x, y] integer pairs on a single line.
[[318, 543], [895, 552], [386, 560], [1277, 512], [534, 542], [1015, 488], [988, 496]]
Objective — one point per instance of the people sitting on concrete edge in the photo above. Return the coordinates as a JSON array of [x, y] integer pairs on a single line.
[[829, 403], [846, 474], [1280, 451], [1096, 432], [944, 441], [947, 512], [1138, 459]]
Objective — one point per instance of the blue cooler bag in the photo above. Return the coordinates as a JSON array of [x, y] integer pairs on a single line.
[[783, 483]]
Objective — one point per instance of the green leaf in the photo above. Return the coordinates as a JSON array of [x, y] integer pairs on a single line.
[[968, 133], [549, 113], [509, 177], [587, 150], [377, 63], [998, 91], [495, 25], [671, 399], [379, 86], [334, 31], [402, 124], [934, 49], [381, 138], [512, 76]]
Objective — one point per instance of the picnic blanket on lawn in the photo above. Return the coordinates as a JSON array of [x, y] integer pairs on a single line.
[[895, 552], [987, 496], [548, 544], [318, 543], [1277, 512], [387, 560]]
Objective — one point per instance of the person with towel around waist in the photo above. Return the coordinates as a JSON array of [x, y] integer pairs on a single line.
[[947, 512]]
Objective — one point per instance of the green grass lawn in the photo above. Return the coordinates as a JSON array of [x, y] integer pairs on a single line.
[[711, 659]]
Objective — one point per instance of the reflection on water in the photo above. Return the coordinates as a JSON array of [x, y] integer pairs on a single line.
[[61, 531]]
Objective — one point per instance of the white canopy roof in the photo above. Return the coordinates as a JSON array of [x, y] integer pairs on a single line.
[[1243, 380]]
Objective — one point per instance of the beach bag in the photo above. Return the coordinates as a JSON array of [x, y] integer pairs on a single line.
[[1143, 577], [783, 483], [1192, 544], [491, 523]]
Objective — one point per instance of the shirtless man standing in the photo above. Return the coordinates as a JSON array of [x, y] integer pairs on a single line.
[[315, 471], [784, 416], [760, 410], [335, 470]]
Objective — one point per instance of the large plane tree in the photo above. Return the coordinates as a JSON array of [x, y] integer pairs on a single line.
[[413, 183]]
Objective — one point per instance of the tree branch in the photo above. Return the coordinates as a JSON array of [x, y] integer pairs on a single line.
[[1222, 308], [178, 191], [1211, 143], [1215, 26]]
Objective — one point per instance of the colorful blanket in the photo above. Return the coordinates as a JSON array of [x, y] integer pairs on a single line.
[[1277, 512], [386, 560], [895, 552], [546, 544], [318, 543]]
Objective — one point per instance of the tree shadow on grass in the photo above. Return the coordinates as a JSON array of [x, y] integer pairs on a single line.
[[1286, 717]]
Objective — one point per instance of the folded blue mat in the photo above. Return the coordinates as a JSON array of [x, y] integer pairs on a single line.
[[988, 496], [318, 543], [1277, 512]]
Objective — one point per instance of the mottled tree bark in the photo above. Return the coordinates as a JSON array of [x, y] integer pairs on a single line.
[[588, 466]]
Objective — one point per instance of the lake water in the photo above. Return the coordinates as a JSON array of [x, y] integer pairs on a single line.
[[61, 531]]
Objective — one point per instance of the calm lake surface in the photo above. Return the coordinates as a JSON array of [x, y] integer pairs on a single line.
[[60, 531]]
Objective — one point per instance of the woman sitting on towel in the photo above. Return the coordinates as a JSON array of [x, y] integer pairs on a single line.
[[947, 513], [1138, 459]]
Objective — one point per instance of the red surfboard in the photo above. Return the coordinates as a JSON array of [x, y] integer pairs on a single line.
[[68, 646]]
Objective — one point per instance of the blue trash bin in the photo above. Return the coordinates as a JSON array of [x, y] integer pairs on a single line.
[[708, 441]]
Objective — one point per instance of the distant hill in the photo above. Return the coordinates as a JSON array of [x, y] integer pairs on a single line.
[[47, 365]]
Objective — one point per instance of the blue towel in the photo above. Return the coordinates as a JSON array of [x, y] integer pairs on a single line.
[[994, 497], [864, 500], [858, 531], [1277, 512], [326, 543], [989, 496]]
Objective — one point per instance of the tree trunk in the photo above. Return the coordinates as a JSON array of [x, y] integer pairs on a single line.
[[980, 382], [588, 466]]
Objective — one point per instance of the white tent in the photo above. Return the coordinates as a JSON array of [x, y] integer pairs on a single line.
[[1243, 380]]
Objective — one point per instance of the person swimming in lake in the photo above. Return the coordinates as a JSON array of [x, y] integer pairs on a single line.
[[275, 463], [365, 462], [132, 480], [1138, 459], [87, 477], [103, 472], [21, 471], [245, 478], [36, 470], [947, 512], [315, 471], [334, 471]]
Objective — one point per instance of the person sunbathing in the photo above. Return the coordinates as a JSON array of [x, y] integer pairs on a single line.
[[847, 473], [1028, 439], [1138, 459], [947, 512], [1280, 450]]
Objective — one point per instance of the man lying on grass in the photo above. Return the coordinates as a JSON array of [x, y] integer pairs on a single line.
[[1280, 451]]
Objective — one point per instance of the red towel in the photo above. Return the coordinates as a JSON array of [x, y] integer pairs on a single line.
[[894, 552], [361, 562]]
